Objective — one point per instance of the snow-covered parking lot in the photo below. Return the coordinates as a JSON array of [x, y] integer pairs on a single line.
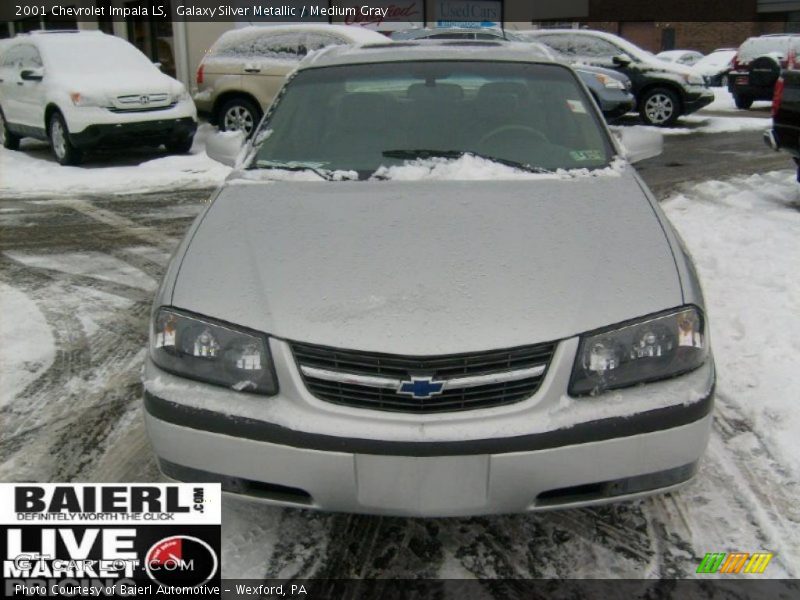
[[82, 252]]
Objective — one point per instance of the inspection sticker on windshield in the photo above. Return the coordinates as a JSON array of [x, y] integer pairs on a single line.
[[581, 155], [576, 106]]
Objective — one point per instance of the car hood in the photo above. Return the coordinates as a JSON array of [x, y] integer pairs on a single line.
[[429, 267], [122, 83]]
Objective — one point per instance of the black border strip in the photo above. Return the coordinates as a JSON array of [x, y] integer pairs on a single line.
[[592, 431]]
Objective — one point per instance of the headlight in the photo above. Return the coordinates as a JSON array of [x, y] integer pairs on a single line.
[[655, 347], [181, 95], [609, 82], [79, 99], [694, 79], [199, 348]]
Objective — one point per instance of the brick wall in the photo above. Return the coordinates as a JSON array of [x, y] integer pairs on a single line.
[[703, 37]]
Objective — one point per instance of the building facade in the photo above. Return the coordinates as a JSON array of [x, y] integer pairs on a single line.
[[179, 45]]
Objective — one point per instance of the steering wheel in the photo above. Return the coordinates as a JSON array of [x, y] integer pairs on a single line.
[[506, 129]]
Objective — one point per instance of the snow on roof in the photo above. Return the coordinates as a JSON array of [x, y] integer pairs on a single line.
[[354, 33], [390, 51]]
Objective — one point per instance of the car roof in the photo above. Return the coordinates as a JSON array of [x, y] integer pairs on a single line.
[[352, 32], [420, 50], [41, 36]]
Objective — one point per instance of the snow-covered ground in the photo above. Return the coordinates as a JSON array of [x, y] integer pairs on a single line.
[[74, 330], [745, 236], [34, 172]]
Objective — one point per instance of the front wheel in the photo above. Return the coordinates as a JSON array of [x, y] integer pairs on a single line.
[[742, 102], [239, 114], [64, 151], [7, 139], [660, 107]]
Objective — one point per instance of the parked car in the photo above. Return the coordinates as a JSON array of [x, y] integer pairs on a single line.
[[757, 66], [664, 91], [785, 132], [244, 69], [451, 33], [715, 67], [83, 90], [682, 57], [610, 89], [355, 323]]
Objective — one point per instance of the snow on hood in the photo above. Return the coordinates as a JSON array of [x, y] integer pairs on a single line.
[[429, 267], [465, 168]]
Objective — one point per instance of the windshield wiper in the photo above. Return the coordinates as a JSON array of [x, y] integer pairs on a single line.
[[295, 166], [426, 153]]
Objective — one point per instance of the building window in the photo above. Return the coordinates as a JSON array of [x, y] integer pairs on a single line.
[[668, 38], [105, 23], [27, 24], [153, 36], [67, 22]]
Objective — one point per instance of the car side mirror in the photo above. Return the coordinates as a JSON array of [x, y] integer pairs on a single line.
[[639, 144], [32, 74], [225, 146], [621, 60]]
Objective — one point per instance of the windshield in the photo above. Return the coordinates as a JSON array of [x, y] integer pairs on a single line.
[[361, 117], [94, 54]]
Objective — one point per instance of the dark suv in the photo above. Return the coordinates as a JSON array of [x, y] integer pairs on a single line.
[[785, 132], [757, 66], [664, 91]]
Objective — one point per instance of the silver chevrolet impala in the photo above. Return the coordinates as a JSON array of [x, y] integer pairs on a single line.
[[433, 285]]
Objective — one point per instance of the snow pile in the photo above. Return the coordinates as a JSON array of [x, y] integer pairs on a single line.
[[33, 171], [28, 348], [723, 102], [700, 123], [743, 234], [474, 168]]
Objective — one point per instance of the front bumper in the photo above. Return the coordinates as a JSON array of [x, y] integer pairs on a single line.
[[135, 133], [616, 103], [293, 449], [694, 101]]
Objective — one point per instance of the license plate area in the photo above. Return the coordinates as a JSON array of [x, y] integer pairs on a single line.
[[443, 484]]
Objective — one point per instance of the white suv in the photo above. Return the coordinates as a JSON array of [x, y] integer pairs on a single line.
[[83, 90]]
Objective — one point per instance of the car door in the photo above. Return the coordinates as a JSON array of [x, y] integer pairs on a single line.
[[30, 93], [271, 57]]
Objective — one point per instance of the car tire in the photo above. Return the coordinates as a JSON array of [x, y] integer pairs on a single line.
[[239, 114], [764, 72], [63, 150], [181, 145], [660, 107], [742, 102], [8, 139]]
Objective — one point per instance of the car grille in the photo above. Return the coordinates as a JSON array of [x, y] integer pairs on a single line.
[[114, 109], [479, 380]]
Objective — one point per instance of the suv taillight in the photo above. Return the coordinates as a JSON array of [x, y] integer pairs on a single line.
[[777, 96], [736, 63], [199, 77]]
